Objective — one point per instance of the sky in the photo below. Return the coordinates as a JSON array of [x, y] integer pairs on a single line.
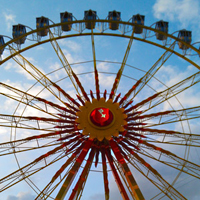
[[181, 14]]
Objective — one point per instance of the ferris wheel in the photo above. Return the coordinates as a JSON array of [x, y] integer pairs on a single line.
[[101, 116]]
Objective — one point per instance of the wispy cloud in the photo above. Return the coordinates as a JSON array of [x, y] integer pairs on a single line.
[[71, 45], [21, 196], [184, 11], [9, 19]]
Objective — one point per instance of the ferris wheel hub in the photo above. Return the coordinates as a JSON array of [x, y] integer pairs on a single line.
[[101, 119], [101, 116]]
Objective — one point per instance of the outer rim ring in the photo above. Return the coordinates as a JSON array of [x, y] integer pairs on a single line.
[[104, 34], [101, 33]]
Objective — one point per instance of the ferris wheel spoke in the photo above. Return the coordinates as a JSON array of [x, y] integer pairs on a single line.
[[23, 126], [40, 77], [42, 119], [128, 135], [38, 123], [166, 117], [95, 67], [56, 134], [70, 161], [14, 146], [105, 174], [17, 146], [147, 170], [18, 149], [46, 194], [25, 172], [116, 175], [62, 59], [187, 137], [177, 141], [193, 111], [130, 179], [73, 77], [120, 72], [175, 161], [73, 143], [122, 175], [149, 75], [31, 100], [165, 95], [67, 183], [83, 177], [161, 184], [184, 118]]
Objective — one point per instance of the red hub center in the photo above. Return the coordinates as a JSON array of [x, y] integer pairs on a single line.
[[101, 117]]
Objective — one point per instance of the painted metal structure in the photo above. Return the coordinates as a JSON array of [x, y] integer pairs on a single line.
[[79, 133]]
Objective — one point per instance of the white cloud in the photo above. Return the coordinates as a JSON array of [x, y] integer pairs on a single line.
[[106, 80], [104, 67], [184, 11], [8, 66], [21, 196], [11, 65], [69, 57], [10, 19], [71, 45], [168, 75]]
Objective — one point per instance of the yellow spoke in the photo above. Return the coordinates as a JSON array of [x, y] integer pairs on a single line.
[[63, 60]]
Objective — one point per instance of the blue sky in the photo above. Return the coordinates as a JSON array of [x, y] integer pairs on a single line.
[[181, 14]]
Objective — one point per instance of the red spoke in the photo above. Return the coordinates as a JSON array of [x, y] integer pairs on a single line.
[[127, 133], [119, 74], [130, 179], [163, 184], [97, 84], [18, 173], [65, 94], [170, 92], [133, 114], [129, 103], [142, 102], [117, 97], [46, 119], [145, 131], [104, 94], [72, 107], [67, 116], [91, 94], [115, 173], [29, 99], [62, 192], [97, 156], [60, 171], [80, 86], [68, 136], [148, 76], [130, 91], [95, 68], [124, 140], [105, 174], [115, 85], [81, 100], [83, 177], [191, 167]]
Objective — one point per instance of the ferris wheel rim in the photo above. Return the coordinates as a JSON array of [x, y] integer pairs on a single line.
[[88, 34], [57, 25]]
